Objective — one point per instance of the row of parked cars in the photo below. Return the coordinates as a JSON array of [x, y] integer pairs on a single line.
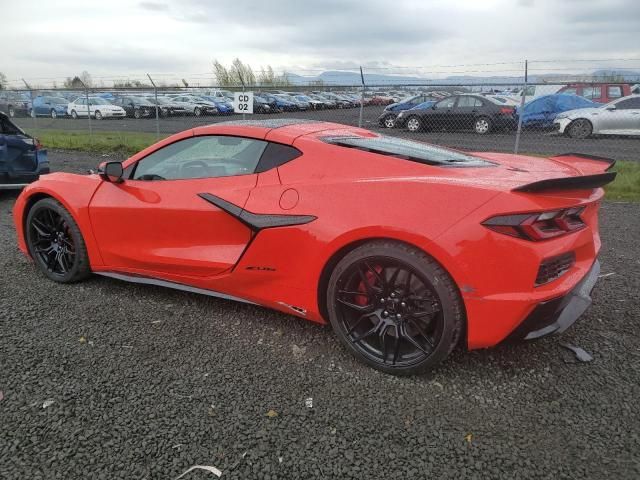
[[566, 112]]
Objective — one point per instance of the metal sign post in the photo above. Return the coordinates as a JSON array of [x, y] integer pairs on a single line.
[[520, 113], [33, 112], [155, 92], [361, 98]]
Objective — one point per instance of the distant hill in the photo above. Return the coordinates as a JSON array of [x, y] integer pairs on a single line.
[[337, 77]]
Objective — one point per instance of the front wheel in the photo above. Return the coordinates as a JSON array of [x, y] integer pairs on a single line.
[[54, 114], [55, 242], [394, 307], [389, 121], [197, 112], [12, 112], [98, 115], [580, 128], [137, 114], [482, 125], [74, 114]]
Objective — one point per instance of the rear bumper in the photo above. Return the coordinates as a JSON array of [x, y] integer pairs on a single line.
[[556, 315]]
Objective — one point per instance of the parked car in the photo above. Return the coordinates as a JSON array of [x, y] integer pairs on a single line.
[[381, 99], [196, 105], [598, 92], [136, 107], [542, 111], [463, 112], [327, 102], [53, 107], [532, 91], [262, 105], [401, 120], [288, 98], [280, 103], [97, 107], [22, 158], [340, 101], [224, 107], [390, 112], [14, 104], [314, 104], [168, 107], [620, 117], [196, 213]]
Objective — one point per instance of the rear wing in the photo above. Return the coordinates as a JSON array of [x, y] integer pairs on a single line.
[[568, 183], [587, 164]]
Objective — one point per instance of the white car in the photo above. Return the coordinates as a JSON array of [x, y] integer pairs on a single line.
[[98, 108], [620, 117]]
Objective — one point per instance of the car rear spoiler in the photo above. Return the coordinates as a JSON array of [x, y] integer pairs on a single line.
[[583, 182], [566, 156]]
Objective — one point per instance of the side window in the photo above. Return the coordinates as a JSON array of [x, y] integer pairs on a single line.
[[275, 155], [465, 102], [614, 91], [570, 91], [446, 103], [201, 157], [629, 104], [592, 92]]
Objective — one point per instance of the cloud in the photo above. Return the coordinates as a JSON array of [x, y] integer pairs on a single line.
[[154, 6]]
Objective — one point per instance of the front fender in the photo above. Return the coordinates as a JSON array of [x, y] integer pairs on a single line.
[[74, 192]]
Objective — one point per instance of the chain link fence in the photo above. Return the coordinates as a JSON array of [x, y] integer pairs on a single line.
[[595, 118]]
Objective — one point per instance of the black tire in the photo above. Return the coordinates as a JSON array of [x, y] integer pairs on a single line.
[[53, 114], [55, 242], [98, 115], [12, 112], [197, 111], [137, 113], [482, 125], [580, 128], [74, 114], [403, 287], [414, 123]]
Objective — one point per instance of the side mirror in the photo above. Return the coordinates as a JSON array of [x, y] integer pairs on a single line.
[[111, 171]]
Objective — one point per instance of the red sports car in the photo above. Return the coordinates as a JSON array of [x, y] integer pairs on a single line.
[[404, 247]]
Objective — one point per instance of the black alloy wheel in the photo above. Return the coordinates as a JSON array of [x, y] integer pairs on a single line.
[[394, 308], [55, 242]]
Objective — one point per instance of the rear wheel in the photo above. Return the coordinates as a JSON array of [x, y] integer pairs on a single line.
[[74, 114], [12, 112], [414, 124], [137, 113], [55, 242], [580, 128], [197, 112], [98, 115], [394, 307], [482, 125], [54, 114]]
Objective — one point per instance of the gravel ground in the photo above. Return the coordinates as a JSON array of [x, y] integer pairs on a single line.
[[144, 382]]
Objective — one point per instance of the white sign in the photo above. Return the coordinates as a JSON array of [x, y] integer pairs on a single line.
[[243, 102]]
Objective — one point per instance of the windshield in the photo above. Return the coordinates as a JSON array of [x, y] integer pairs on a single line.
[[408, 150]]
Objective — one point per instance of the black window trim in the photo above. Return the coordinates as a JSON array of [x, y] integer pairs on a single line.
[[134, 165]]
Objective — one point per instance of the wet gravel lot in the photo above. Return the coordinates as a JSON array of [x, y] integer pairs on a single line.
[[142, 382]]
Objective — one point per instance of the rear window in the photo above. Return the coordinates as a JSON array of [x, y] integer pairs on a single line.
[[408, 150]]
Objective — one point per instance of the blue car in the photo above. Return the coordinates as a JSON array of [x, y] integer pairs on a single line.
[[53, 107], [390, 112], [22, 160], [280, 103], [542, 111], [224, 108], [427, 104]]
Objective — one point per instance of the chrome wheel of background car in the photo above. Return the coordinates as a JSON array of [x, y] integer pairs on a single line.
[[12, 112], [413, 124], [74, 114], [98, 115], [137, 114], [580, 128], [389, 121], [32, 113], [482, 125], [197, 112], [54, 114], [52, 242], [389, 311]]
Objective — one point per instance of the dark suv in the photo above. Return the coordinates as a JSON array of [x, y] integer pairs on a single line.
[[22, 160]]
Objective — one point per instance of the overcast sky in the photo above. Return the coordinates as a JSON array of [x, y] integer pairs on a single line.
[[45, 40]]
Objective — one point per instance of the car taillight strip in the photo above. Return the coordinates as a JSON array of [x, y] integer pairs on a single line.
[[538, 226]]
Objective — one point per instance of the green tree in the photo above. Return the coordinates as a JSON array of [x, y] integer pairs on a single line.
[[3, 81]]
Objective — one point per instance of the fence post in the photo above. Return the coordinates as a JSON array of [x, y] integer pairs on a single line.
[[361, 98], [33, 112], [244, 115], [155, 93], [524, 93], [86, 96]]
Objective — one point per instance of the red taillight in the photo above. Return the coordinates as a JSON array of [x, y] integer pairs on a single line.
[[37, 144], [538, 226], [506, 111]]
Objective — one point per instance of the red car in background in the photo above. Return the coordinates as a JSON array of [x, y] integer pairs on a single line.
[[405, 248], [598, 92]]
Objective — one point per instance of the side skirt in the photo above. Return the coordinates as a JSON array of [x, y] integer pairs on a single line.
[[174, 285]]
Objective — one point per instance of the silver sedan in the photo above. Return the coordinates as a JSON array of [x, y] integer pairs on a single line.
[[620, 117]]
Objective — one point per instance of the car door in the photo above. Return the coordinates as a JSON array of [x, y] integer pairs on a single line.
[[464, 112], [625, 118], [157, 221], [440, 115]]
